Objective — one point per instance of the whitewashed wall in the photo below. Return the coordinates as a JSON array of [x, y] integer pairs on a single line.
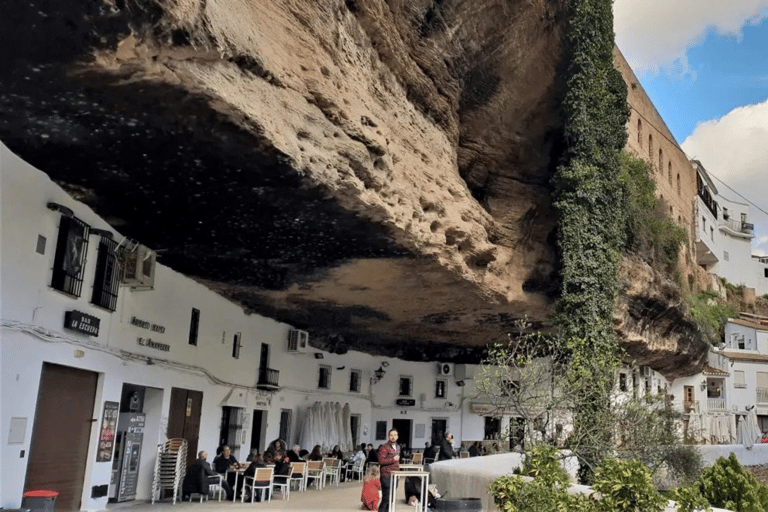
[[29, 303]]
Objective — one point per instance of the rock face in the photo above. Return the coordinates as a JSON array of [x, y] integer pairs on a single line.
[[374, 171]]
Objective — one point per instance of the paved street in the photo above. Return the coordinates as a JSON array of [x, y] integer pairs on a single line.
[[345, 497]]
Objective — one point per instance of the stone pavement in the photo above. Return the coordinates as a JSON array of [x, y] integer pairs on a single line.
[[345, 497]]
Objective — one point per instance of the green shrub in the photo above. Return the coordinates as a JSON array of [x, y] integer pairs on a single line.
[[728, 485], [626, 485], [689, 499], [711, 315]]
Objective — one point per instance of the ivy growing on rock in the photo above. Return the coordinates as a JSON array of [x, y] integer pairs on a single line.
[[587, 195]]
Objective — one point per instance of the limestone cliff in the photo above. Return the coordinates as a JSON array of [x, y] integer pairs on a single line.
[[374, 171]]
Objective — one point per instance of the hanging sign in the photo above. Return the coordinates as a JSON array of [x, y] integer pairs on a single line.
[[406, 401], [80, 322]]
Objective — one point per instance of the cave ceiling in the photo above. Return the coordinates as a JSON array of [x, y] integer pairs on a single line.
[[374, 172]]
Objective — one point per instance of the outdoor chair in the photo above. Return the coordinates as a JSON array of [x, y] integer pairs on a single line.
[[333, 469], [316, 472], [464, 455], [355, 468], [262, 480], [418, 458], [283, 483], [299, 474]]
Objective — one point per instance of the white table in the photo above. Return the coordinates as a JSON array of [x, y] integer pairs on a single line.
[[239, 471], [406, 471]]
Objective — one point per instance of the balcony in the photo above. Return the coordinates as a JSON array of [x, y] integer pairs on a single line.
[[716, 404], [762, 395], [268, 379], [737, 227]]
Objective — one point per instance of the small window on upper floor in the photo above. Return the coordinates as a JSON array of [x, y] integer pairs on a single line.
[[661, 160], [324, 377], [743, 217], [236, 345], [439, 388], [765, 272], [623, 381], [69, 261], [106, 282], [640, 132], [354, 380], [738, 379], [726, 256], [725, 214], [650, 148], [711, 233], [669, 172], [406, 386], [194, 325], [678, 184], [704, 223]]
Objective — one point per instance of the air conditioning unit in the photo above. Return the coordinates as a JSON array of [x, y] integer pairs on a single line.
[[444, 369], [139, 267], [647, 372], [298, 341]]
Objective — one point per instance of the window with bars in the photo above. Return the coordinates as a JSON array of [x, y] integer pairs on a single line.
[[324, 380], [354, 381], [69, 261], [106, 282], [381, 430]]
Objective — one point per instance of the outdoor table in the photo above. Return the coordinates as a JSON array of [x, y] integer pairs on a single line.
[[239, 471], [407, 470]]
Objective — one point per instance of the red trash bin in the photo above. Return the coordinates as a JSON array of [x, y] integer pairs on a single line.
[[42, 500]]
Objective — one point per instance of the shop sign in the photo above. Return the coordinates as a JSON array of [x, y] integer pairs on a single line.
[[80, 322], [406, 401], [144, 324], [150, 343]]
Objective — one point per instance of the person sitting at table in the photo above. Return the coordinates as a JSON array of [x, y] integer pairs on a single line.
[[210, 475], [336, 453], [371, 494], [225, 460], [293, 454], [252, 455], [373, 455], [317, 453], [279, 446], [257, 462]]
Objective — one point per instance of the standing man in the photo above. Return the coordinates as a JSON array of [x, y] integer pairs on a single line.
[[389, 461], [446, 448]]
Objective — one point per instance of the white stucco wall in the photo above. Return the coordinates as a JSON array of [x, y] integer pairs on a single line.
[[30, 304]]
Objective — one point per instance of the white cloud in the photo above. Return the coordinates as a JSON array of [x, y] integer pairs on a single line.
[[735, 149], [655, 34]]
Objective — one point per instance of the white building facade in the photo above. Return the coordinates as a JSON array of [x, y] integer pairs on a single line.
[[79, 348]]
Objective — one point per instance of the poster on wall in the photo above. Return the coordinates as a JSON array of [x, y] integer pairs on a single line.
[[107, 433]]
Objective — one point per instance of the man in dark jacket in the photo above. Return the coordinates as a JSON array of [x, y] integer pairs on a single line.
[[209, 475], [446, 448]]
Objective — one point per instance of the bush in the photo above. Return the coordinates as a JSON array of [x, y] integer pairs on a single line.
[[626, 485], [728, 485], [689, 499], [711, 315]]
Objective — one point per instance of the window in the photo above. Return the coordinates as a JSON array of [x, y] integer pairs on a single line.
[[704, 223], [678, 184], [354, 380], [324, 380], [650, 148], [725, 255], [354, 428], [765, 272], [439, 388], [69, 261], [661, 161], [41, 241], [510, 387], [285, 423], [640, 133], [106, 283], [492, 428], [194, 324], [743, 217], [669, 172], [236, 349], [738, 379], [381, 430], [725, 213], [622, 381], [711, 233], [406, 386]]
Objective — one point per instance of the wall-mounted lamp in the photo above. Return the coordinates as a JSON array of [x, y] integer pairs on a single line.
[[60, 208], [378, 374], [703, 385]]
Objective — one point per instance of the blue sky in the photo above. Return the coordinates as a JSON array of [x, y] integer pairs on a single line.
[[704, 64]]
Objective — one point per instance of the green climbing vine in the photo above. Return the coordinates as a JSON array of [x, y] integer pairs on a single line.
[[588, 197]]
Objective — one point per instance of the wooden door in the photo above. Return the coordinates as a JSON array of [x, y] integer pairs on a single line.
[[184, 418], [63, 420]]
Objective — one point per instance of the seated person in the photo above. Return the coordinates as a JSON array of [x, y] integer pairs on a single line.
[[373, 455], [293, 454], [252, 455], [336, 453], [202, 468], [359, 456], [317, 453], [225, 460], [257, 462]]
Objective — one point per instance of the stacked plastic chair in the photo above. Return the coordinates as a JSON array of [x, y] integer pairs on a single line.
[[170, 467]]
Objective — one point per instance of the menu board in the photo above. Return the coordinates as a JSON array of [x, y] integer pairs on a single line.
[[107, 433]]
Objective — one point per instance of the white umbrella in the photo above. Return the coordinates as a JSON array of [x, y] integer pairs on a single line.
[[326, 429], [752, 429], [732, 427], [338, 426], [744, 438], [346, 414]]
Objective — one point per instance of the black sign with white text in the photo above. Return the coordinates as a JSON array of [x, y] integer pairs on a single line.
[[80, 322], [405, 401]]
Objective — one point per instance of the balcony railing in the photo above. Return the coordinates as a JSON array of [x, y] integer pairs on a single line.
[[716, 404], [762, 395], [268, 379], [737, 226]]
